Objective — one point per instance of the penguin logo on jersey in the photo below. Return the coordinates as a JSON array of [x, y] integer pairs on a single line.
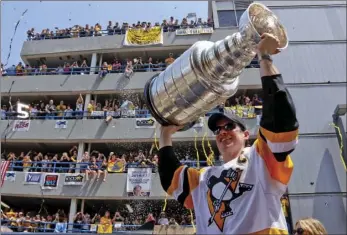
[[222, 191]]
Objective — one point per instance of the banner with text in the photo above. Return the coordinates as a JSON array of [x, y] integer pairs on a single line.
[[182, 32], [139, 182], [21, 125], [32, 178], [128, 113], [50, 181], [10, 176], [74, 179], [98, 113], [145, 123], [143, 37], [61, 124]]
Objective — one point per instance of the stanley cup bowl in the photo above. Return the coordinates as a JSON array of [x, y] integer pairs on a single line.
[[207, 74]]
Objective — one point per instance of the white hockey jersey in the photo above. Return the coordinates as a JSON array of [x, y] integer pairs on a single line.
[[243, 195]]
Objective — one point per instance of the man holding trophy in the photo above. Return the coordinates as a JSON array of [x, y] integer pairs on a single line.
[[243, 195]]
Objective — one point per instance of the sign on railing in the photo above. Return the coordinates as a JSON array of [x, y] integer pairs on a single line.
[[139, 182], [97, 113], [145, 123], [182, 32], [21, 125], [128, 113]]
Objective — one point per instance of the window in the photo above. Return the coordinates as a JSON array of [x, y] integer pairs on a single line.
[[227, 18]]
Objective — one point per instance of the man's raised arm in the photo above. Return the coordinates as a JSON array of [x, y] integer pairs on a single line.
[[278, 132], [176, 179]]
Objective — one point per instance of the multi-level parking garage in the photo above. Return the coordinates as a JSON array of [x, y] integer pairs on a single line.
[[313, 67]]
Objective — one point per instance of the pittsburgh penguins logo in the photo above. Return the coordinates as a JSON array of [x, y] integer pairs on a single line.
[[222, 191]]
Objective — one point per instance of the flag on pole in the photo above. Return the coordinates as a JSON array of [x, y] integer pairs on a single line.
[[3, 169]]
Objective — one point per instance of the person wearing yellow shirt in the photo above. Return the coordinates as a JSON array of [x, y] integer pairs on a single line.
[[97, 29], [61, 108], [91, 107], [26, 163], [169, 60], [105, 225]]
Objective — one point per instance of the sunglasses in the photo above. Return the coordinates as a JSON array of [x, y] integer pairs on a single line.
[[227, 127], [299, 231]]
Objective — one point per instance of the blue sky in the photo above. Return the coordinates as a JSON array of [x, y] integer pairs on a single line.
[[63, 14]]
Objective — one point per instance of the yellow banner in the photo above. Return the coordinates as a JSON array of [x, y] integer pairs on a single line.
[[143, 37], [115, 167]]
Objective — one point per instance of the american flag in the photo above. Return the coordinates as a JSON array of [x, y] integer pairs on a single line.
[[3, 169]]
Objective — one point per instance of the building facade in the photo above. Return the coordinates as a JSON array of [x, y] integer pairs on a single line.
[[313, 67]]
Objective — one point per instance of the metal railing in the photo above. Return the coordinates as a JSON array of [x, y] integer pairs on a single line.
[[49, 227], [246, 113], [83, 70], [70, 167], [94, 70], [57, 115]]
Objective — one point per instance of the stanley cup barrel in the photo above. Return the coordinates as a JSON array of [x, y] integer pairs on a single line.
[[207, 74]]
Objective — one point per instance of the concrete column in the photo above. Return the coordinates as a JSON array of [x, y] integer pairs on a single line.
[[237, 21], [72, 213], [215, 15], [93, 63], [100, 61], [79, 155], [86, 102], [82, 206], [89, 147]]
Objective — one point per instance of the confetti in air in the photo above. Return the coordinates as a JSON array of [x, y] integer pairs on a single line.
[[14, 34]]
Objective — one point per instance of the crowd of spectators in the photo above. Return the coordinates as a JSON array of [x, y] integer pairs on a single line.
[[244, 106], [127, 66], [19, 221], [75, 31], [94, 164], [103, 220], [111, 108], [123, 216]]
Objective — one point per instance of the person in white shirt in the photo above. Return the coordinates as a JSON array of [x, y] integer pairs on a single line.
[[243, 195]]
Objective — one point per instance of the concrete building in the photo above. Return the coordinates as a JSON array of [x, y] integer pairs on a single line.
[[313, 67]]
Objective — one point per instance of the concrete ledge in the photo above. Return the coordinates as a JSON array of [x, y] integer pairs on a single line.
[[96, 130], [112, 83]]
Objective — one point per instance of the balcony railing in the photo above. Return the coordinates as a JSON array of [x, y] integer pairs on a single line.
[[82, 70], [71, 167], [55, 115], [93, 70], [246, 112], [49, 227]]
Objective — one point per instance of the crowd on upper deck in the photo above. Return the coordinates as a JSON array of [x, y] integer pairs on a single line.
[[244, 106], [115, 28], [116, 65], [95, 164]]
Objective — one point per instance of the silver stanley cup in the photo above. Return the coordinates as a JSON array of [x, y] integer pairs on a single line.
[[206, 75]]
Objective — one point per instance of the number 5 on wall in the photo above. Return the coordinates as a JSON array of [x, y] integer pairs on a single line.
[[21, 111]]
